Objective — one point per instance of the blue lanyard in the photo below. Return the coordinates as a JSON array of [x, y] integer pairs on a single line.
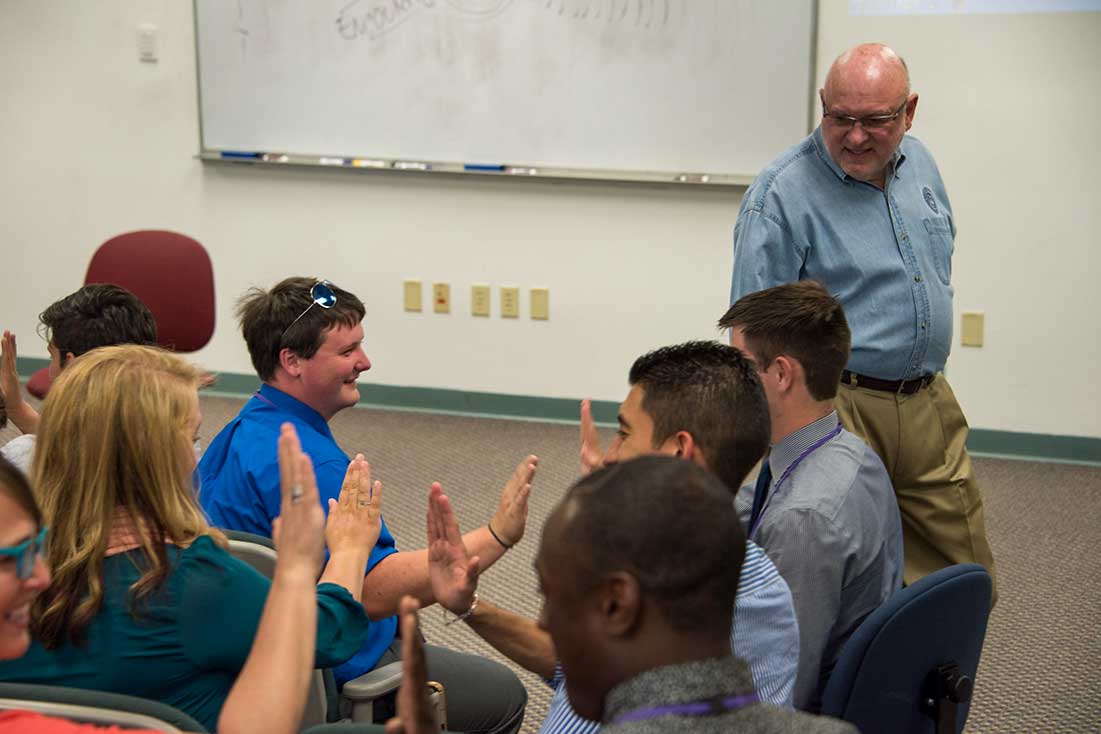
[[787, 472], [706, 707]]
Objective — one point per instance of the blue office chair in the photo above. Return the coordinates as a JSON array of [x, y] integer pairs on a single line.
[[910, 666]]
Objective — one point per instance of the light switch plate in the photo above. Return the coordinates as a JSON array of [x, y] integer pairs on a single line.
[[147, 43], [971, 328], [540, 304], [413, 298]]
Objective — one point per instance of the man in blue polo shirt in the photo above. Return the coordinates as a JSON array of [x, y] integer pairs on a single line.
[[305, 338]]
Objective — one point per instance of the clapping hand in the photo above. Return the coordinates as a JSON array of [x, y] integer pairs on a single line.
[[592, 455], [451, 571], [512, 511], [355, 520], [298, 529], [21, 414], [415, 714]]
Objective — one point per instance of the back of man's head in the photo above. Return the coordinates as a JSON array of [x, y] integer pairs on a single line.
[[800, 320], [711, 391], [639, 566], [671, 525], [97, 315], [287, 317]]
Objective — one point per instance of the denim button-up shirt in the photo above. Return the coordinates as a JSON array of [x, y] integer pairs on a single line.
[[885, 254]]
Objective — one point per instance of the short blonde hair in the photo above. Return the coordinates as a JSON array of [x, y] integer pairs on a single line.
[[113, 435]]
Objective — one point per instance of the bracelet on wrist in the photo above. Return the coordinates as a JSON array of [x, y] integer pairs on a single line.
[[464, 615], [497, 537]]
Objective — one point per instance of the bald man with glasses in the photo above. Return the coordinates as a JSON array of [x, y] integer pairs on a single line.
[[860, 207]]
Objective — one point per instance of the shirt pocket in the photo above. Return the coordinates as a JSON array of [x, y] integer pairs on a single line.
[[939, 230]]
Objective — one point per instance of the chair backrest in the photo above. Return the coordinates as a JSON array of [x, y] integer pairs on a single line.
[[325, 704], [259, 552], [255, 550], [171, 274], [96, 707], [884, 675], [350, 728]]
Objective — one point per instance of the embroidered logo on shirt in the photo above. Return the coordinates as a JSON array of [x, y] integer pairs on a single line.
[[928, 194]]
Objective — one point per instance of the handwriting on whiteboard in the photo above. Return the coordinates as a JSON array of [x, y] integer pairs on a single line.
[[372, 19]]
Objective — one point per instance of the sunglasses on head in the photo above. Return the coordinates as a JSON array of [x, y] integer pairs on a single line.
[[26, 554], [321, 294]]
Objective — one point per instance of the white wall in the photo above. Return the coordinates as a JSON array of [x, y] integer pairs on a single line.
[[1009, 105], [95, 143]]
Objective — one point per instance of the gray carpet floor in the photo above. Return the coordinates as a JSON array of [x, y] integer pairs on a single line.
[[1041, 665]]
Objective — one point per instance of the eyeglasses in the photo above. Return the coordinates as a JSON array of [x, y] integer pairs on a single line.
[[872, 122], [321, 294], [26, 554]]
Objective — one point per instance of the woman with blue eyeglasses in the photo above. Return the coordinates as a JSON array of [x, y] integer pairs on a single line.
[[23, 573]]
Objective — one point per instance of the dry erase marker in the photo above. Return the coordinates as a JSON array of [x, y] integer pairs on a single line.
[[331, 161], [274, 158], [368, 163], [693, 178], [521, 171], [410, 166], [482, 167], [239, 154]]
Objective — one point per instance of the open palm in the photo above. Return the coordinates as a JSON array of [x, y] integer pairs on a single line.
[[452, 572]]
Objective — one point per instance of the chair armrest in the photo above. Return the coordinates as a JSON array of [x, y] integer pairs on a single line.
[[373, 684]]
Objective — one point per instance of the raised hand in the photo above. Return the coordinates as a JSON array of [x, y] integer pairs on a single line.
[[355, 520], [415, 714], [19, 412], [592, 455], [297, 531], [452, 573], [512, 511]]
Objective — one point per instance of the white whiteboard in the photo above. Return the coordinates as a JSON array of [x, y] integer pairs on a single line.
[[614, 88]]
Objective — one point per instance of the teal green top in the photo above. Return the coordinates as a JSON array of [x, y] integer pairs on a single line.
[[190, 641]]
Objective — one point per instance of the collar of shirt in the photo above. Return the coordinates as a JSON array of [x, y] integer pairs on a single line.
[[897, 158], [791, 446], [673, 684], [268, 397]]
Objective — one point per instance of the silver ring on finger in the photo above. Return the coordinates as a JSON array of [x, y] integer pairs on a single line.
[[296, 493]]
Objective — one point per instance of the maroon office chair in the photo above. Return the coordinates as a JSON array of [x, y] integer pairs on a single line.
[[170, 273]]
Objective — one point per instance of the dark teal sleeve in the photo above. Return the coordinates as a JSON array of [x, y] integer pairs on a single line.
[[223, 599], [341, 625]]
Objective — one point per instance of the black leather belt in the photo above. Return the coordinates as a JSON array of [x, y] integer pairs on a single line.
[[902, 387]]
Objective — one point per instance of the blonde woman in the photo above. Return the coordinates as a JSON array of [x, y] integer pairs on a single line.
[[145, 600]]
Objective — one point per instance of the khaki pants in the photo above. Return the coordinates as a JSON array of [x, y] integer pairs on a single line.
[[920, 439]]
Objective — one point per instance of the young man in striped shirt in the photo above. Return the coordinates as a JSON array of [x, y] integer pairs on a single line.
[[700, 401]]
